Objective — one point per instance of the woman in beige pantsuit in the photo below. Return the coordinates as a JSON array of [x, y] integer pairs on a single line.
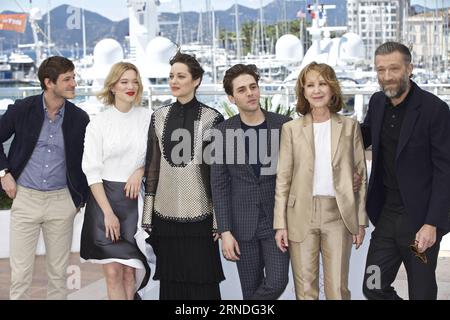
[[316, 210]]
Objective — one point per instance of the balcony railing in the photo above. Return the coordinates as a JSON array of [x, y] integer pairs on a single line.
[[214, 95]]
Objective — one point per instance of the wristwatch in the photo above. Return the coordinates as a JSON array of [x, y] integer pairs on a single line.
[[3, 172]]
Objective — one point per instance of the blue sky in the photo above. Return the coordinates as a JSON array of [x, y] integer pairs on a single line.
[[116, 9]]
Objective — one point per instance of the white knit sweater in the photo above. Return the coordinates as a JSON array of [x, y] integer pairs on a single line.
[[115, 144]]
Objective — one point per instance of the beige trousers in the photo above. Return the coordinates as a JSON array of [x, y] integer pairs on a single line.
[[328, 236], [53, 212]]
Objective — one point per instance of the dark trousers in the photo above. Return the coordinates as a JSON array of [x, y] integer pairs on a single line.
[[389, 248], [263, 269]]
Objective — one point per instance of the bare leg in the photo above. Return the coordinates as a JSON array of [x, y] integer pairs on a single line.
[[114, 281], [129, 282]]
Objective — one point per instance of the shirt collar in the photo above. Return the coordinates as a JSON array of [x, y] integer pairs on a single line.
[[60, 111], [189, 104]]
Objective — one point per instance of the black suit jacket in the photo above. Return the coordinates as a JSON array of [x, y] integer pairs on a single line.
[[24, 120], [238, 194], [422, 160]]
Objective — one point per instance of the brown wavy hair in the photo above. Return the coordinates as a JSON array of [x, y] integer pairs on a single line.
[[236, 71], [328, 74], [52, 67]]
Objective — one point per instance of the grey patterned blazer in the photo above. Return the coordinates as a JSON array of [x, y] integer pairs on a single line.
[[238, 194]]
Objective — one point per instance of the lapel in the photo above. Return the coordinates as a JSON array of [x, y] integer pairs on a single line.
[[268, 153], [336, 128], [308, 131], [377, 122], [270, 126], [271, 155], [411, 115], [36, 124], [67, 121]]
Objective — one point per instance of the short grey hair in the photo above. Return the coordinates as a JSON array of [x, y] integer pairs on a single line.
[[390, 47]]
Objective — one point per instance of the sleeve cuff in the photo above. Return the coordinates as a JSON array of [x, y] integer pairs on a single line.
[[149, 202], [93, 180]]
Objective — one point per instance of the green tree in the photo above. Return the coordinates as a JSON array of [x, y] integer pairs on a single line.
[[227, 38], [5, 202], [247, 30], [272, 33]]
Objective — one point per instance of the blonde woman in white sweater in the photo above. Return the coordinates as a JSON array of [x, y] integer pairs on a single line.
[[113, 161]]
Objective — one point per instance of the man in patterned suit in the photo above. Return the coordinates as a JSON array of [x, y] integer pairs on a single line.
[[243, 187]]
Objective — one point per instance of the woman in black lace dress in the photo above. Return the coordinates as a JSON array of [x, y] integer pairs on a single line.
[[178, 208]]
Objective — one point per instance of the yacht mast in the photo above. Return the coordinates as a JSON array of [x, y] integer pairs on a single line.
[[261, 28], [200, 27], [180, 24], [315, 30], [435, 62], [238, 35], [213, 44], [35, 15], [445, 47], [208, 19], [83, 30], [49, 5], [285, 22]]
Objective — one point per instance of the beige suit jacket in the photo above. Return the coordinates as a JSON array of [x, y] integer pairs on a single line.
[[295, 175]]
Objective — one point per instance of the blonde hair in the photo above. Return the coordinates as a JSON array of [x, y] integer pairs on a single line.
[[328, 74], [117, 70]]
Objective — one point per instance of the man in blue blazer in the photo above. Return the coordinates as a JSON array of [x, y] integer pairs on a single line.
[[42, 173], [243, 188], [408, 200]]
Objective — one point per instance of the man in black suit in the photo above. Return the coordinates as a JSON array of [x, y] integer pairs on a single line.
[[243, 188], [408, 199], [42, 173]]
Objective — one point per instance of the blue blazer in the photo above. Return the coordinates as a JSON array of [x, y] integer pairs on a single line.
[[422, 160], [24, 120]]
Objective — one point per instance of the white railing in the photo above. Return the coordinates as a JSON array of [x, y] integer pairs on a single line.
[[286, 90]]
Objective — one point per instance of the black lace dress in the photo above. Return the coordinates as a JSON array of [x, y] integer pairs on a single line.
[[178, 206]]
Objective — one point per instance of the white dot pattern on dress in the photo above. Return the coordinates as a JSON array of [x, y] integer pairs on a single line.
[[181, 194]]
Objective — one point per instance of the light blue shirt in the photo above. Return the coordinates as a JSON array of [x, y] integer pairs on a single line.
[[46, 169]]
